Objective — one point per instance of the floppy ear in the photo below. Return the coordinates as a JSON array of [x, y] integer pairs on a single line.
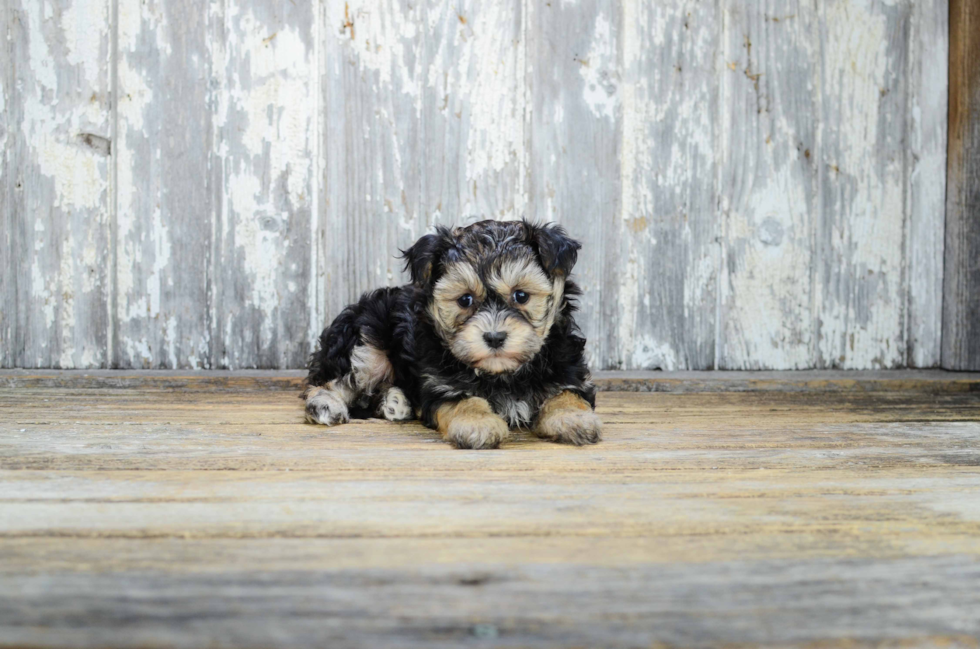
[[558, 252], [421, 258]]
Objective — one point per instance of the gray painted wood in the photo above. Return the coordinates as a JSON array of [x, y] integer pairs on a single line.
[[264, 69], [928, 114], [860, 239], [768, 185], [668, 218], [8, 265], [961, 289], [574, 87], [756, 185], [473, 108], [163, 212], [371, 146], [58, 161]]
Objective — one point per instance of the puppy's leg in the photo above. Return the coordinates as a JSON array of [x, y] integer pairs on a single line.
[[395, 406], [471, 423], [370, 373], [327, 404], [569, 419]]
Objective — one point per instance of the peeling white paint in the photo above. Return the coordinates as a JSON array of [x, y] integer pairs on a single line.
[[62, 159], [829, 239], [266, 114], [87, 47], [379, 36], [600, 70], [868, 239], [62, 178]]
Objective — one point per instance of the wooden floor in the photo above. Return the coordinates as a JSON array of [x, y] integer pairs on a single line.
[[150, 516]]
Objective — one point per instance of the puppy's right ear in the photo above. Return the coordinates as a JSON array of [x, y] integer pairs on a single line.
[[422, 257]]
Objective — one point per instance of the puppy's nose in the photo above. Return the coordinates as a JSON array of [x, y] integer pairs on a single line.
[[495, 339]]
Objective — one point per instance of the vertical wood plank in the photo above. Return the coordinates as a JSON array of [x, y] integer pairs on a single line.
[[163, 221], [265, 67], [473, 111], [928, 111], [961, 287], [58, 161], [574, 78], [8, 268], [371, 90], [860, 245], [669, 224], [768, 184]]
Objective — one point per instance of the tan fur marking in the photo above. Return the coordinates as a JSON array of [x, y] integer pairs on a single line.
[[471, 423], [522, 274], [564, 401], [458, 280], [370, 367], [528, 276], [568, 418]]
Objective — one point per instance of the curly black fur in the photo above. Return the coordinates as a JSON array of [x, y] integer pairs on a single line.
[[397, 320]]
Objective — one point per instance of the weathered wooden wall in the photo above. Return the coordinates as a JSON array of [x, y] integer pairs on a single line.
[[759, 184]]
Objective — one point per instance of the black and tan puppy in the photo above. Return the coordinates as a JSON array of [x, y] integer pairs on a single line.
[[481, 341]]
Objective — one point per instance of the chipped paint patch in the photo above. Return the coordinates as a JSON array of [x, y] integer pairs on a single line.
[[791, 209], [600, 71], [863, 254], [265, 121]]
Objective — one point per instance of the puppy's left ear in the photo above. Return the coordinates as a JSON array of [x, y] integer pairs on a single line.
[[422, 257], [558, 252]]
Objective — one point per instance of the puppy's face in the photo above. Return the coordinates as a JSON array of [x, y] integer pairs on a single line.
[[495, 289]]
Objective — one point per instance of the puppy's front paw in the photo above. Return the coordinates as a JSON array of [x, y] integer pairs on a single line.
[[325, 407], [569, 419], [396, 406], [477, 431]]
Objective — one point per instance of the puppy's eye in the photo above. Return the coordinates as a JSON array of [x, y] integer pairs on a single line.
[[521, 297], [465, 301]]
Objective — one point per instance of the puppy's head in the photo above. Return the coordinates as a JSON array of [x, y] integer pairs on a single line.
[[494, 288]]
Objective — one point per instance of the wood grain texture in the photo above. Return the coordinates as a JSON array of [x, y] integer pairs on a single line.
[[860, 240], [142, 517], [371, 145], [58, 186], [928, 63], [163, 209], [668, 271], [757, 185], [8, 265], [574, 131], [265, 67], [961, 287], [474, 149], [815, 381], [768, 188]]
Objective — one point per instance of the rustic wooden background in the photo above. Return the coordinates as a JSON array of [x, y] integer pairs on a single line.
[[758, 184]]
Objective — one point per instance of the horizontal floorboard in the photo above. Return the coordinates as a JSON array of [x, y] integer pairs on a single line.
[[214, 516], [608, 381]]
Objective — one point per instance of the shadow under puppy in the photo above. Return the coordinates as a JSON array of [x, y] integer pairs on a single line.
[[481, 341]]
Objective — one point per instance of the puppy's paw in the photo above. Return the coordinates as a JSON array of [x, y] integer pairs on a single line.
[[325, 407], [578, 427], [395, 406], [477, 431]]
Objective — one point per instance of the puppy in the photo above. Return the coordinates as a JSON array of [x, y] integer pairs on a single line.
[[482, 341]]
